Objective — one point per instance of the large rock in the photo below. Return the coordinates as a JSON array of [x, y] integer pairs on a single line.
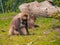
[[44, 8]]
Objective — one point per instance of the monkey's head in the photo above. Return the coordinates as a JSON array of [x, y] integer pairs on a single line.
[[24, 19], [24, 16]]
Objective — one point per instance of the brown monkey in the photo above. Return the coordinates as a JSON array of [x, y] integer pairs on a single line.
[[19, 25], [31, 21]]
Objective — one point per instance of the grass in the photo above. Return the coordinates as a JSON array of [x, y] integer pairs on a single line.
[[42, 35]]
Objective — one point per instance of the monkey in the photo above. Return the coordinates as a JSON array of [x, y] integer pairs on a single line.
[[31, 21], [19, 25]]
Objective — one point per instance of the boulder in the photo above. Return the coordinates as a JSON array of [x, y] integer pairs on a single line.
[[44, 8]]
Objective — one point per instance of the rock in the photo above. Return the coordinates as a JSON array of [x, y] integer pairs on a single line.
[[44, 8]]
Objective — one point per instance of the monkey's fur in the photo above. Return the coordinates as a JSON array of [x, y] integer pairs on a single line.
[[19, 25]]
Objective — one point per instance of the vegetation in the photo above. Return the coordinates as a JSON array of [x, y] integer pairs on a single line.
[[56, 2], [42, 35]]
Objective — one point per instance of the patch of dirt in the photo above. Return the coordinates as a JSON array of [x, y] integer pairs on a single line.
[[57, 28]]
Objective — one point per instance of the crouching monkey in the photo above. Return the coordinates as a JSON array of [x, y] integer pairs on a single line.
[[19, 25]]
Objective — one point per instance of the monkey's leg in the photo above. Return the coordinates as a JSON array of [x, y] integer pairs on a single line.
[[16, 32], [27, 30], [11, 31], [23, 31]]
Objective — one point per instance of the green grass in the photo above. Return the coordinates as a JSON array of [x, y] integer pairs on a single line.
[[42, 35]]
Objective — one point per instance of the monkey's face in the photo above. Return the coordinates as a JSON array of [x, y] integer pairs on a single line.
[[24, 20]]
